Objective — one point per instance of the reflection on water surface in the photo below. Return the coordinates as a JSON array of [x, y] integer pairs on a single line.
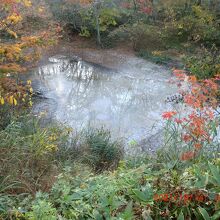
[[129, 100]]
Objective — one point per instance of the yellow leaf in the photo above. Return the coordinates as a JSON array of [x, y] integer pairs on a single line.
[[15, 102], [11, 100], [2, 101], [14, 18], [40, 9], [27, 3], [12, 33]]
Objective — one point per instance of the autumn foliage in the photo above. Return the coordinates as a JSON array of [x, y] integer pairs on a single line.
[[141, 6], [17, 49], [197, 127]]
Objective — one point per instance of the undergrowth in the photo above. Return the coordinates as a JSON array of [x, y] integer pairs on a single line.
[[49, 172]]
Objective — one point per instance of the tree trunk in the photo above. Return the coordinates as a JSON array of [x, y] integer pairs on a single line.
[[97, 6], [135, 6], [98, 28]]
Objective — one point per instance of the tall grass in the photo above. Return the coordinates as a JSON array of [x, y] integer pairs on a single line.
[[100, 151], [31, 156], [27, 157]]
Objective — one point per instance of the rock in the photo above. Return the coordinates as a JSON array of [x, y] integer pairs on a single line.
[[176, 98], [57, 58], [152, 143], [75, 59]]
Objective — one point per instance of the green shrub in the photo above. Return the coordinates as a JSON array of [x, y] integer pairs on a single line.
[[42, 210], [143, 36], [205, 64], [82, 19], [34, 22], [133, 193], [195, 24]]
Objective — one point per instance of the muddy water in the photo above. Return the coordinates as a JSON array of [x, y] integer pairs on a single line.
[[128, 98]]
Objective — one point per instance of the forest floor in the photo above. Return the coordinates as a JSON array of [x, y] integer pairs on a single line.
[[88, 50]]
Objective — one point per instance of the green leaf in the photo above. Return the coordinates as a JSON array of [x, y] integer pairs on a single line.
[[140, 195], [143, 195], [198, 216], [215, 172], [97, 215], [216, 216], [204, 213], [128, 213], [181, 216], [214, 129]]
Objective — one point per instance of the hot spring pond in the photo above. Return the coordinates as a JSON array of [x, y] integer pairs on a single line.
[[127, 99]]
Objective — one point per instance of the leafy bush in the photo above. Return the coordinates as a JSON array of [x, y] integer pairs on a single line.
[[67, 14], [146, 37], [81, 18], [35, 22], [42, 210], [206, 64], [195, 24], [151, 191], [143, 36]]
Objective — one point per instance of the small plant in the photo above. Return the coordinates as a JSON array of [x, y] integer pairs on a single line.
[[193, 133], [100, 151], [42, 210]]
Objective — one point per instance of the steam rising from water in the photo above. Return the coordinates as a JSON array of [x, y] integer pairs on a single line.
[[128, 101]]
